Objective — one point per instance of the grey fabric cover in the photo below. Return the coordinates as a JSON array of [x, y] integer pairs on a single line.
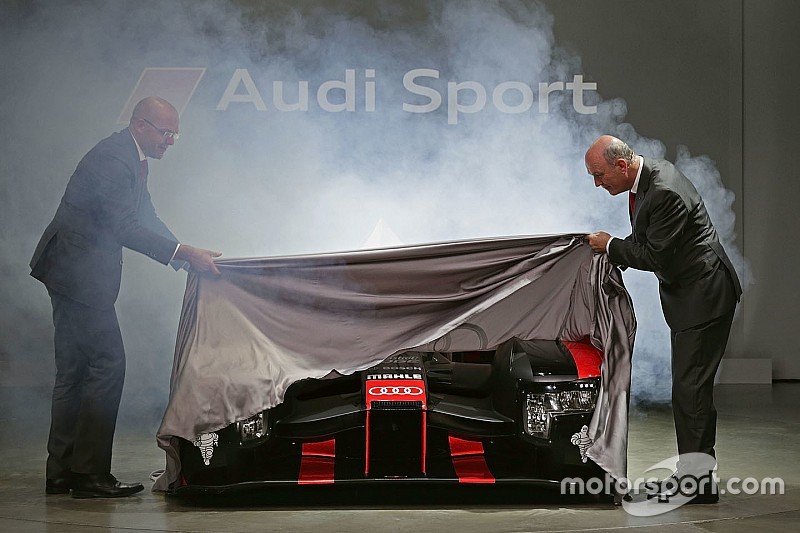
[[266, 323]]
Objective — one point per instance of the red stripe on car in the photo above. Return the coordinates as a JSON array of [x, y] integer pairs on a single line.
[[317, 462], [587, 358], [469, 461]]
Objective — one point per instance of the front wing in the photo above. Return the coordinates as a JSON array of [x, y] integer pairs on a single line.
[[400, 422]]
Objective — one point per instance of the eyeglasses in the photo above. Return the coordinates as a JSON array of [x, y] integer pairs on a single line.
[[166, 133]]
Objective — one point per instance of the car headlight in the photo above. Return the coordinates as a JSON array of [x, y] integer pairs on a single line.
[[253, 428], [537, 420], [567, 398]]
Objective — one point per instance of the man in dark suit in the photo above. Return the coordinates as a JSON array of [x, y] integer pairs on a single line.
[[674, 238], [106, 206]]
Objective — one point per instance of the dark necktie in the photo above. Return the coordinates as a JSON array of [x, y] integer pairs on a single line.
[[141, 183], [632, 202]]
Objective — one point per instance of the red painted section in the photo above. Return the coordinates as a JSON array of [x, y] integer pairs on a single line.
[[459, 447], [326, 448], [396, 390], [317, 463], [588, 359], [469, 462], [424, 442], [366, 445]]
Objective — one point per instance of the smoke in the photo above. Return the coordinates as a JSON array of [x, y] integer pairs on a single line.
[[252, 182], [703, 173]]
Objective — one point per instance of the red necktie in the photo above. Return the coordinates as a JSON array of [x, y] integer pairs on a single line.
[[632, 202]]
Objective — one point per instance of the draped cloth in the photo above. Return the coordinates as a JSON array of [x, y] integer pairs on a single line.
[[244, 337]]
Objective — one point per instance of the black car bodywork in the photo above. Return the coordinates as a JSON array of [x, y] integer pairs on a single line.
[[517, 414]]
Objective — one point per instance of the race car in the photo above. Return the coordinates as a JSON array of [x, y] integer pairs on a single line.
[[517, 414]]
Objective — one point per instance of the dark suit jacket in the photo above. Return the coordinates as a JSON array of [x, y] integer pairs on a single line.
[[105, 207], [673, 237]]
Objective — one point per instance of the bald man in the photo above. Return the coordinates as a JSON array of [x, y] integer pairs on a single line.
[[106, 206], [673, 237]]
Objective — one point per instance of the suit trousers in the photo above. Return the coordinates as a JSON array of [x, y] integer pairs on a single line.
[[696, 355], [90, 373]]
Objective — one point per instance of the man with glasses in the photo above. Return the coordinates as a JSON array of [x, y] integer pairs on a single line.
[[106, 206]]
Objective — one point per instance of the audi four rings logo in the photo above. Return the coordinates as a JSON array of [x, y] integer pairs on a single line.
[[390, 391]]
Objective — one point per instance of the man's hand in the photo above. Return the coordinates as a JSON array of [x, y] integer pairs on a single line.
[[598, 241], [200, 260]]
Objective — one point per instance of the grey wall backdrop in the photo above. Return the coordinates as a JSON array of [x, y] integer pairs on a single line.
[[720, 77], [708, 84]]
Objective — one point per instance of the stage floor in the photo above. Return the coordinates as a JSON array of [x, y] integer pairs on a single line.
[[757, 438]]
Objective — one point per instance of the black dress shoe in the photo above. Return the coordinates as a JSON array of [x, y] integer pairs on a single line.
[[620, 497], [58, 485], [698, 490], [102, 486]]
